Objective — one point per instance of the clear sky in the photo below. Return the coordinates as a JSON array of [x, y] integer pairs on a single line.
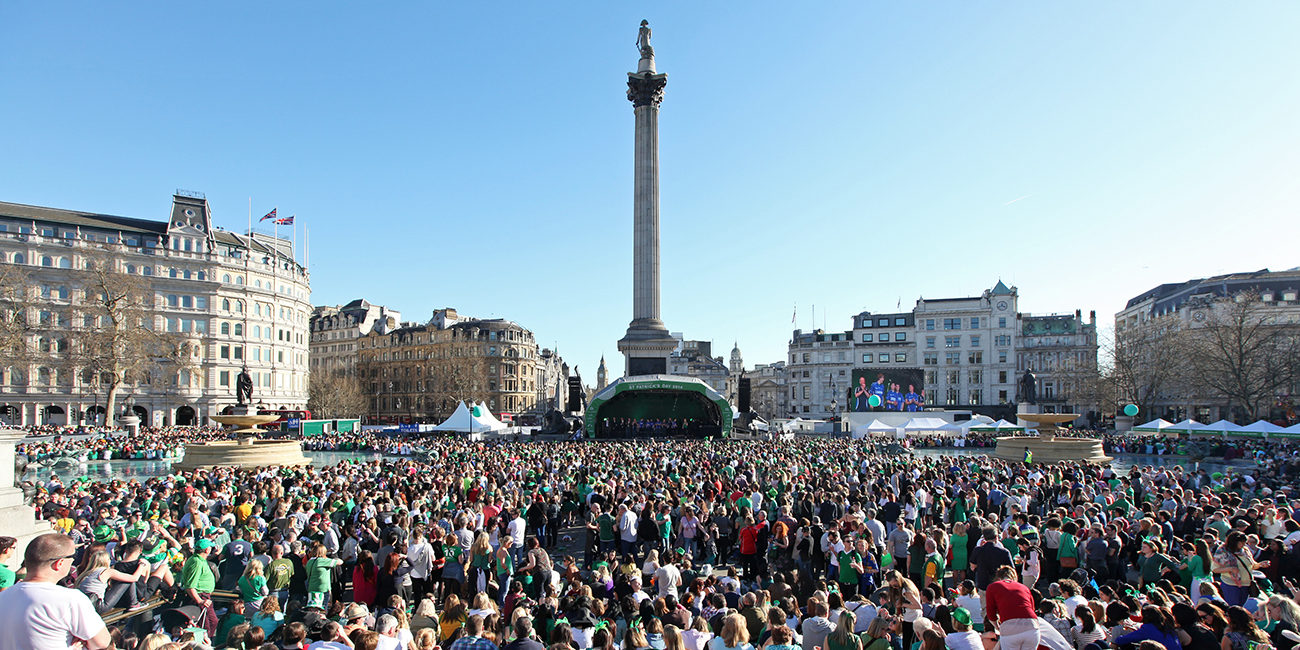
[[845, 155]]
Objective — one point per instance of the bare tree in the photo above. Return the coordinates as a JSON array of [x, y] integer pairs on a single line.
[[16, 316], [457, 377], [1243, 352], [1148, 363], [338, 394], [118, 338]]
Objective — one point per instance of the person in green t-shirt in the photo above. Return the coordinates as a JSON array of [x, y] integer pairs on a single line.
[[198, 581], [850, 561], [934, 567], [319, 573], [279, 574], [8, 546], [605, 524]]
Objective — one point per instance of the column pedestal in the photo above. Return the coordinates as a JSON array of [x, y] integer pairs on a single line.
[[17, 519]]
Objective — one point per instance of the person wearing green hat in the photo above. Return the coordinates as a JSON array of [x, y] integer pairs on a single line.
[[198, 581], [963, 636]]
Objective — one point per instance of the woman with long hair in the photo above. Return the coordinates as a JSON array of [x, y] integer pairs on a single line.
[[957, 541], [1193, 633], [105, 586], [1198, 564], [1242, 633], [905, 599], [842, 637], [452, 618], [1286, 613], [734, 635], [1233, 564], [1213, 617], [480, 559], [1157, 625], [252, 585], [877, 636], [365, 579], [1087, 631], [268, 616], [453, 568]]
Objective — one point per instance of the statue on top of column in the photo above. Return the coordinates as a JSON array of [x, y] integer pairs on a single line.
[[643, 41]]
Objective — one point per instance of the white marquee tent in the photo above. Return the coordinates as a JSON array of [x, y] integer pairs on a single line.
[[875, 428], [464, 421], [1158, 424]]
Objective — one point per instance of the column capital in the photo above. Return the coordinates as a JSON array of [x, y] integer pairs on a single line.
[[646, 89]]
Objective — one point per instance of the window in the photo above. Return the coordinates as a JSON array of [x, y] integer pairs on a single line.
[[224, 352], [807, 357], [975, 323], [19, 259], [929, 342], [929, 324], [931, 397], [239, 280], [952, 341], [187, 302], [867, 322], [866, 338], [239, 329], [1002, 397], [884, 357], [900, 336], [1002, 376], [931, 358], [953, 395], [225, 328], [954, 358], [200, 302], [1002, 356], [976, 357], [223, 378], [47, 261], [66, 263], [238, 351], [1002, 322], [974, 341], [977, 376], [884, 322], [952, 323], [976, 396], [932, 377], [807, 392], [1049, 390], [899, 322], [1002, 340], [900, 357], [868, 358], [148, 270]]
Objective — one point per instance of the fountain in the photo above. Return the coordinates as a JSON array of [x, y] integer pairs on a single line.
[[1046, 447], [247, 449]]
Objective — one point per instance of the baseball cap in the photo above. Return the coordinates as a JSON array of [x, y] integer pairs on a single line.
[[204, 544]]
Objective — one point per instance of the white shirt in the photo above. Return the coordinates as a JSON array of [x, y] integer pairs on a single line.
[[516, 529], [328, 645], [668, 579], [388, 643], [44, 616]]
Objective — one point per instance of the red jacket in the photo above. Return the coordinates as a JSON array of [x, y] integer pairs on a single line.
[[1006, 600]]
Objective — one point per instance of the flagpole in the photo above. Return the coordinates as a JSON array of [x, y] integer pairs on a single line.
[[275, 245], [250, 222]]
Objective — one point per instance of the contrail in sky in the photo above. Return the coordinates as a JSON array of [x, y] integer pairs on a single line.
[[1023, 197]]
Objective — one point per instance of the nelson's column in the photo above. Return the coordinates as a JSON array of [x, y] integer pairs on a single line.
[[647, 345]]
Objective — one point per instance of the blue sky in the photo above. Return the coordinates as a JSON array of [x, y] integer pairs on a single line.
[[844, 155]]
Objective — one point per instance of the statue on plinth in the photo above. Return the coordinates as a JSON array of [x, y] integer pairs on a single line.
[[643, 41], [1029, 388], [244, 388]]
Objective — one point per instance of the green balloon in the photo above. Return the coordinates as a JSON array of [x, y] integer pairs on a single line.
[[1131, 410], [874, 401], [478, 411]]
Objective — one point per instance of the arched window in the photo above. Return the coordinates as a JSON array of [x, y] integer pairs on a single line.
[[43, 376], [148, 270], [257, 331], [239, 280], [225, 328], [239, 306], [226, 278], [225, 304], [173, 301], [46, 292], [257, 283], [130, 268], [19, 259], [65, 262], [239, 329], [172, 272], [46, 260], [43, 344], [203, 275], [187, 274]]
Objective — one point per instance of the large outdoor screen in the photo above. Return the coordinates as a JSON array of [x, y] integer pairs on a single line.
[[899, 389]]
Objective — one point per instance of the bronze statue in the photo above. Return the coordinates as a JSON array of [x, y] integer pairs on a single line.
[[643, 41], [1029, 388], [244, 388]]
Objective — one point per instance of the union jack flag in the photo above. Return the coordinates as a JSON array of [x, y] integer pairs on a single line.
[[269, 215], [287, 221]]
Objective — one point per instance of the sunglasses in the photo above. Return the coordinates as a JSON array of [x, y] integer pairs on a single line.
[[56, 559]]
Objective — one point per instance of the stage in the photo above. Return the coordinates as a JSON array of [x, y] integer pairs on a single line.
[[658, 406]]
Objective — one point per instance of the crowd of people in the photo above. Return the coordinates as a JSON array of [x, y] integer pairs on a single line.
[[666, 545]]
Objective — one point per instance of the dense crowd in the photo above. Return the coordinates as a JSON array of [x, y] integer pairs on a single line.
[[666, 545]]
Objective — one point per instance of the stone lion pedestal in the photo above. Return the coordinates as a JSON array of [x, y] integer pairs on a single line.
[[17, 519]]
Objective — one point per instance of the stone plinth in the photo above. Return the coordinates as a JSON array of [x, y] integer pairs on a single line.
[[1047, 447], [17, 519]]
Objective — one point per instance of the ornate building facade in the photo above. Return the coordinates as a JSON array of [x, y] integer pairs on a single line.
[[335, 330], [419, 372], [235, 300]]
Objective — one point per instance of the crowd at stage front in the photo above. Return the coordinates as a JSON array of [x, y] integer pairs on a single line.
[[676, 544]]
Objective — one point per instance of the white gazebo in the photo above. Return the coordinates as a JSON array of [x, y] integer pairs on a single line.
[[1156, 425]]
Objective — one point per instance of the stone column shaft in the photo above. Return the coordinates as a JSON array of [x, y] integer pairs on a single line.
[[645, 240]]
